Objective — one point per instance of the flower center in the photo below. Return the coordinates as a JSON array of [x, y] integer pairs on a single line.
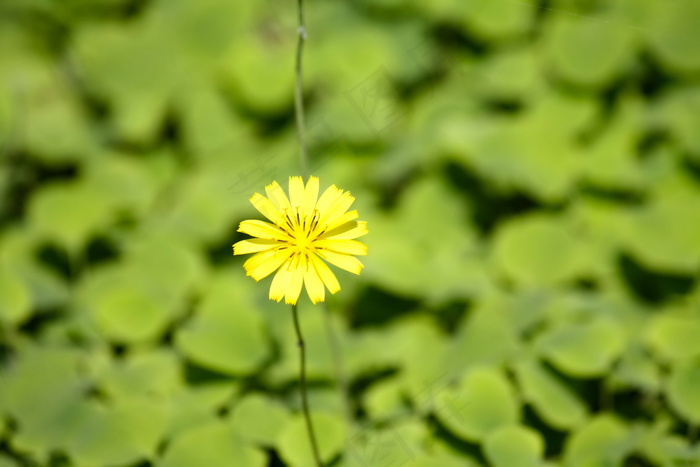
[[303, 228]]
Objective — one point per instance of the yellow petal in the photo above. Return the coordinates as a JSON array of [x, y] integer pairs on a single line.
[[277, 196], [337, 208], [348, 247], [325, 273], [311, 195], [340, 220], [280, 283], [296, 191], [328, 197], [314, 285], [266, 207], [263, 264], [253, 245], [347, 231], [296, 281], [261, 229], [347, 262]]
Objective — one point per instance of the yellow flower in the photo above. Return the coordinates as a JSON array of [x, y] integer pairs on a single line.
[[304, 230]]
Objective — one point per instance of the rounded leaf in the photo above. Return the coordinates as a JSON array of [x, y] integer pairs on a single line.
[[582, 349], [536, 250], [683, 390], [216, 443], [293, 442], [483, 402], [674, 336], [514, 446], [602, 441], [227, 333], [259, 418], [15, 300], [673, 35], [551, 399]]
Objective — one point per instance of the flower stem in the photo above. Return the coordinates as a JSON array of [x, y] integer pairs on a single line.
[[299, 92], [302, 382]]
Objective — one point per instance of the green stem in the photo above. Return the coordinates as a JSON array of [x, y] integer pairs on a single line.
[[302, 382], [299, 92]]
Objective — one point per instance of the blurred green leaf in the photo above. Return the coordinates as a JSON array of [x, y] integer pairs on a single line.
[[15, 299], [672, 37], [601, 441], [497, 20], [394, 236], [293, 440], [8, 462], [106, 435], [589, 51], [260, 419], [198, 405], [70, 213], [582, 349], [552, 400], [216, 443], [682, 390], [482, 402], [227, 332], [679, 112], [486, 335], [611, 160], [154, 374], [514, 446], [664, 234], [537, 250], [674, 336]]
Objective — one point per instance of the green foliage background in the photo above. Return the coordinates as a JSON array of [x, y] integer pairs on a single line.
[[530, 172]]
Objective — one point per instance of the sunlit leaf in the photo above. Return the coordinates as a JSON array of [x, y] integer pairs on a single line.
[[483, 402], [216, 443], [514, 446], [293, 440]]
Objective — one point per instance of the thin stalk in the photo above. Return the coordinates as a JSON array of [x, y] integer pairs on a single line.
[[299, 92], [302, 383]]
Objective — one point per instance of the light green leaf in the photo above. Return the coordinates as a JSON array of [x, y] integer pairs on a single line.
[[672, 35], [588, 51], [155, 374], [664, 234], [293, 441], [674, 336], [601, 441], [514, 446], [8, 462], [227, 333], [15, 299], [385, 399], [679, 113], [69, 213], [216, 443], [537, 250], [198, 405], [106, 435], [483, 401], [682, 390], [550, 398], [585, 349], [497, 20], [259, 418], [128, 314], [487, 335]]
